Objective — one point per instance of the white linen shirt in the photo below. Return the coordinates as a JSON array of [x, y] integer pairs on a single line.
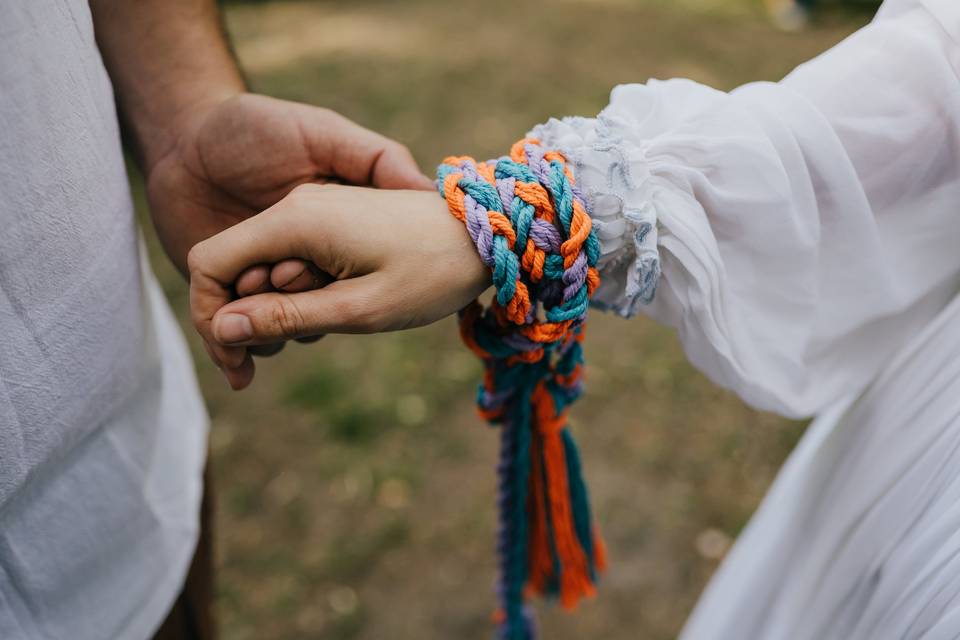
[[102, 429], [802, 237]]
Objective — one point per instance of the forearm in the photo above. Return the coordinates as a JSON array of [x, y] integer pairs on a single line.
[[167, 59]]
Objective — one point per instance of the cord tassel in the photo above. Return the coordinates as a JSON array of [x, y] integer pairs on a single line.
[[530, 226]]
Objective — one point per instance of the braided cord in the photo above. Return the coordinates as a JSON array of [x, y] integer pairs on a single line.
[[531, 227]]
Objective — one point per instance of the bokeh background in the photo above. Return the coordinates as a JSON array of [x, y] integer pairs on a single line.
[[354, 483]]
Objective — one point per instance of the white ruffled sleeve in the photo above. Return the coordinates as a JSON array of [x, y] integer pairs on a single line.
[[794, 233]]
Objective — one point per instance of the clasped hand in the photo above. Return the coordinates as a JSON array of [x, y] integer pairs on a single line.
[[229, 156], [394, 260]]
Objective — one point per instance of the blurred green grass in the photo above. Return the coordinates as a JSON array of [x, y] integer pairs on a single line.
[[354, 482]]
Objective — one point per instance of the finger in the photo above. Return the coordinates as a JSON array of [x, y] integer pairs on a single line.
[[273, 236], [290, 277], [212, 354], [396, 169], [254, 280], [240, 377], [224, 357], [294, 276], [346, 306], [206, 296], [215, 264], [266, 350]]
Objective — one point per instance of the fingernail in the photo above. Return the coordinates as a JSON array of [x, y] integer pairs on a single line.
[[232, 328]]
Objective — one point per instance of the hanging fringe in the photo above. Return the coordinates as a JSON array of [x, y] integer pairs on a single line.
[[531, 227]]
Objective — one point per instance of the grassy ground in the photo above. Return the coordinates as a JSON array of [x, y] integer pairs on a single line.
[[355, 485]]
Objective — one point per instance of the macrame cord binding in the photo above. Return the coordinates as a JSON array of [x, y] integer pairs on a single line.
[[531, 227]]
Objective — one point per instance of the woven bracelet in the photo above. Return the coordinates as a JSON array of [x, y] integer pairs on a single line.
[[531, 227]]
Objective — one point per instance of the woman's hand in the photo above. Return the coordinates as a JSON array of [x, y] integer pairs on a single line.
[[397, 260]]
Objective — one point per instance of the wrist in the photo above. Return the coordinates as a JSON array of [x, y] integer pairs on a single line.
[[470, 274], [165, 58]]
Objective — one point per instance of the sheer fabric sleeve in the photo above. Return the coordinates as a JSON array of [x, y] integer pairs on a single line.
[[794, 233]]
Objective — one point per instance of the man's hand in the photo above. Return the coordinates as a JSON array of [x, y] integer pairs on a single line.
[[231, 160], [212, 154], [398, 258]]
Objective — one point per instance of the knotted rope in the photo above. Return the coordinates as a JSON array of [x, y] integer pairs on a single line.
[[531, 227]]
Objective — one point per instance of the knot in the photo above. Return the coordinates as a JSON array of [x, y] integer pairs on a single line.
[[530, 226]]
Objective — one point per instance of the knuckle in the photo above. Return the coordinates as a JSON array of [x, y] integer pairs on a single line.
[[196, 257], [286, 318], [311, 196]]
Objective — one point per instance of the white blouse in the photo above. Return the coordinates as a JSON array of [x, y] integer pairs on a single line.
[[794, 233]]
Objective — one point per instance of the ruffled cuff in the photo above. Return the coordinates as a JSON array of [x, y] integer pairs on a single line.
[[610, 174]]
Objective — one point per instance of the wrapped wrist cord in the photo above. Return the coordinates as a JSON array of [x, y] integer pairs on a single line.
[[531, 227]]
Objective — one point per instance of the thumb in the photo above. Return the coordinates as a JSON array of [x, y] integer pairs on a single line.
[[396, 169], [345, 306], [361, 156]]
